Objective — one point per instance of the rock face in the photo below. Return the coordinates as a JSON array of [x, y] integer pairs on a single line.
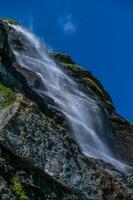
[[39, 158]]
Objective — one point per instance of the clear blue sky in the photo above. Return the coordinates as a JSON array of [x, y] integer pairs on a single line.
[[97, 34]]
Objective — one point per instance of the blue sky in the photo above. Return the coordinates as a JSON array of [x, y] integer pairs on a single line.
[[97, 34]]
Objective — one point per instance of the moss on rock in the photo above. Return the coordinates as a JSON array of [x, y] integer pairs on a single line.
[[88, 79], [9, 95], [129, 123], [19, 190], [62, 58], [94, 86], [73, 67], [10, 21], [84, 76]]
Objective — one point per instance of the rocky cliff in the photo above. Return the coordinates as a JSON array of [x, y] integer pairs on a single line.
[[39, 157]]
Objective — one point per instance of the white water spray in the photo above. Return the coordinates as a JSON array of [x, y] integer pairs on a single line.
[[86, 118]]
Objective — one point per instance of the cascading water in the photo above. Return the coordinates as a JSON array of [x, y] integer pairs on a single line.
[[86, 118]]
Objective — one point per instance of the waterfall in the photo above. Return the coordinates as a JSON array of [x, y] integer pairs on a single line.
[[87, 119]]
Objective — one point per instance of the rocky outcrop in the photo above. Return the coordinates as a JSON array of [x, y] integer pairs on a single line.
[[39, 158]]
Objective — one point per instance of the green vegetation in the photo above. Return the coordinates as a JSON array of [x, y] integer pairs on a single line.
[[89, 79], [73, 67], [131, 177], [8, 20], [9, 95], [18, 188], [93, 85], [129, 123]]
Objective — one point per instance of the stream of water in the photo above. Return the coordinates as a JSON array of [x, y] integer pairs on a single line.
[[87, 119]]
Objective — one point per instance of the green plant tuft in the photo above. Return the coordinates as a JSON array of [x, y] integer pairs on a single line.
[[129, 123], [93, 85], [18, 188], [9, 95], [10, 21], [73, 67]]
